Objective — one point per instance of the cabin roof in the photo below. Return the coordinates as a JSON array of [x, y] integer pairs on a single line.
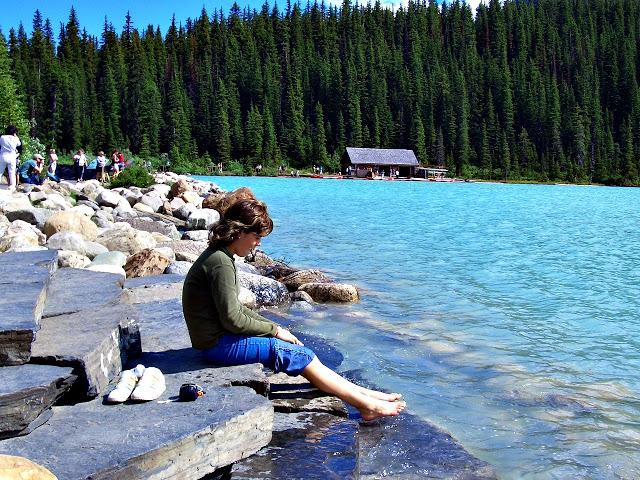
[[381, 156]]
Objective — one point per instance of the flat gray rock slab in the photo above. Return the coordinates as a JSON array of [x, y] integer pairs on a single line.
[[26, 391], [97, 343], [296, 394], [152, 280], [305, 446], [386, 443], [44, 258], [24, 277], [153, 440], [74, 289]]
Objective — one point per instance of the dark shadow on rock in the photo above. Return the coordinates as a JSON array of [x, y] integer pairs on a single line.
[[172, 361]]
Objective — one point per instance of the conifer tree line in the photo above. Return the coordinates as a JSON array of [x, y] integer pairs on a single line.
[[541, 90]]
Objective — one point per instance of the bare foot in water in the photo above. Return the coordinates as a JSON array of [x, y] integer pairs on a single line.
[[388, 397], [380, 408]]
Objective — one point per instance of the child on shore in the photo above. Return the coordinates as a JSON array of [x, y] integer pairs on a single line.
[[228, 333]]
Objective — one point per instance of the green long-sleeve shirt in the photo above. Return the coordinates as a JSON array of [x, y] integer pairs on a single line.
[[210, 302]]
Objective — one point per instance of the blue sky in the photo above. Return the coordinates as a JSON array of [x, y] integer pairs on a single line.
[[91, 13]]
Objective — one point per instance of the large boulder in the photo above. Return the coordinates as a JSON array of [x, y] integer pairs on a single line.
[[145, 263], [13, 201], [294, 280], [212, 201], [153, 201], [66, 240], [186, 247], [176, 203], [331, 292], [83, 210], [21, 468], [73, 222], [110, 258], [149, 225], [178, 188], [36, 197], [55, 201], [21, 236], [124, 238], [268, 292], [143, 208], [247, 297], [158, 188], [192, 198], [196, 235], [203, 218], [185, 211], [178, 268], [34, 216], [93, 249], [71, 259], [108, 198]]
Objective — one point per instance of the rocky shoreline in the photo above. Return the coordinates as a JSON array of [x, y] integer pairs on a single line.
[[94, 278]]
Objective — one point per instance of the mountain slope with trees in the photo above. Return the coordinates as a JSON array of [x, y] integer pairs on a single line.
[[544, 90]]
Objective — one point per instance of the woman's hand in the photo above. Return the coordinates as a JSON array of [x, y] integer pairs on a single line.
[[286, 336]]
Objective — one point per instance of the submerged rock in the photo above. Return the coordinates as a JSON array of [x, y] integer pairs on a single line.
[[268, 292], [296, 279], [331, 292]]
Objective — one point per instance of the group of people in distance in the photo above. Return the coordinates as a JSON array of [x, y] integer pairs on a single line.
[[31, 171]]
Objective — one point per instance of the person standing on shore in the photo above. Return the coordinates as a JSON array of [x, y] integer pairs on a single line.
[[101, 162], [80, 162], [9, 143], [229, 333], [53, 165]]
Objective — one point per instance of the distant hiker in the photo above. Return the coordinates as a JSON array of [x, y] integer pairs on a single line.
[[79, 163], [53, 165], [9, 143], [115, 163], [101, 162]]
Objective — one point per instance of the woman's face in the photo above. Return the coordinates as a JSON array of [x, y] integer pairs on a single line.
[[246, 242]]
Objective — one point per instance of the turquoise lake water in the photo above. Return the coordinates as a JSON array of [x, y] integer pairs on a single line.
[[509, 315]]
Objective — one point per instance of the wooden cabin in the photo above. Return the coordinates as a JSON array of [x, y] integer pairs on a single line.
[[379, 162]]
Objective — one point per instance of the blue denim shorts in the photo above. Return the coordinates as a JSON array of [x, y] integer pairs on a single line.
[[272, 353]]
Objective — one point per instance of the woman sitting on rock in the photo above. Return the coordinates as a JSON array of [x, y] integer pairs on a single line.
[[228, 333]]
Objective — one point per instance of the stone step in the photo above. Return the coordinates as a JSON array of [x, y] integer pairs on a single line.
[[162, 439], [305, 445], [96, 342], [296, 394], [73, 290], [24, 277], [26, 391]]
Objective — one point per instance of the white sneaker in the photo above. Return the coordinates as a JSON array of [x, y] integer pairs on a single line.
[[127, 383], [150, 386]]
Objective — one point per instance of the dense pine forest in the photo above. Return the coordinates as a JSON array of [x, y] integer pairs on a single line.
[[524, 90]]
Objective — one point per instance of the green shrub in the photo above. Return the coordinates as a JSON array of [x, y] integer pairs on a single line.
[[234, 167], [135, 175]]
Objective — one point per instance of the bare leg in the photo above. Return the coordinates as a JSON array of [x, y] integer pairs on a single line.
[[389, 397], [328, 381]]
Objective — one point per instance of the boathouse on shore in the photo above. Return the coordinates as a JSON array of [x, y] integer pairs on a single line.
[[372, 162]]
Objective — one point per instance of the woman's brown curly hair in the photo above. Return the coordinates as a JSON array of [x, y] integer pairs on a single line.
[[242, 216]]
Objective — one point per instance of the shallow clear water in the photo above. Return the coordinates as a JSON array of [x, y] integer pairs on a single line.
[[507, 314]]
